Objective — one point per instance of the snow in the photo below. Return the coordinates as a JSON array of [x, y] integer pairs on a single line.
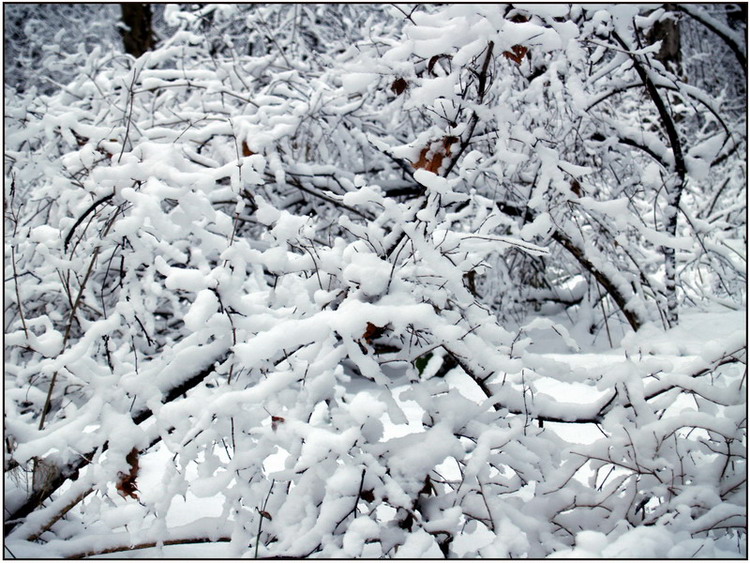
[[308, 365], [188, 279], [701, 334], [363, 407], [45, 234], [641, 543], [367, 272], [206, 305], [414, 454], [362, 196], [429, 91], [358, 81], [358, 532], [539, 227], [419, 545]]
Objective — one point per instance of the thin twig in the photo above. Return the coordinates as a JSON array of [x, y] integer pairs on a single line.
[[131, 100], [18, 294]]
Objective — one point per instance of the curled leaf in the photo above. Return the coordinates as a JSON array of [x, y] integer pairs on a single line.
[[431, 157], [275, 421], [372, 332], [399, 86], [265, 514], [519, 52], [126, 485], [519, 18]]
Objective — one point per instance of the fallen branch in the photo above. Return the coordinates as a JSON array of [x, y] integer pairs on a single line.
[[146, 545]]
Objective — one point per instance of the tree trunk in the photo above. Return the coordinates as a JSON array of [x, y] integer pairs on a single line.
[[674, 186], [137, 35], [667, 31]]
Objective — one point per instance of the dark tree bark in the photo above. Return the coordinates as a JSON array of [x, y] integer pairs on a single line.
[[667, 31], [137, 35]]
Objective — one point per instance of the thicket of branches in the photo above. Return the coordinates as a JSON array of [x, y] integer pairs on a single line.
[[237, 246]]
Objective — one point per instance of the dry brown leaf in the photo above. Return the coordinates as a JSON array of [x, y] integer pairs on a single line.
[[519, 52], [265, 514], [126, 485], [372, 332], [399, 86], [275, 421], [431, 157]]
